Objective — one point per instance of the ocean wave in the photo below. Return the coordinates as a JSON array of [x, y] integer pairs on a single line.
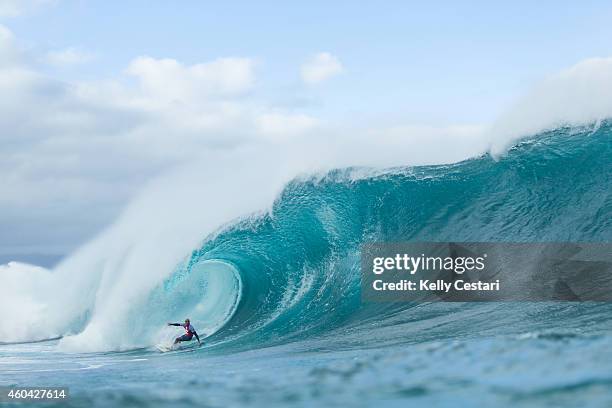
[[300, 262], [292, 272]]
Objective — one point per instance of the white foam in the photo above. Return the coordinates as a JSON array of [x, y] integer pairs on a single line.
[[23, 306], [576, 96]]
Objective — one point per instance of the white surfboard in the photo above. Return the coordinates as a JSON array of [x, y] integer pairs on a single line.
[[164, 348]]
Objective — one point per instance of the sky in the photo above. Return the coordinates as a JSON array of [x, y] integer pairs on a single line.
[[98, 97]]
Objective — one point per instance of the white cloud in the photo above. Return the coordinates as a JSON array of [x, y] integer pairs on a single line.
[[8, 50], [69, 56], [83, 148], [279, 126], [14, 8], [320, 67], [170, 80]]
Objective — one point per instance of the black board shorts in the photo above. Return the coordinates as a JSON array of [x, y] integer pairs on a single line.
[[186, 337]]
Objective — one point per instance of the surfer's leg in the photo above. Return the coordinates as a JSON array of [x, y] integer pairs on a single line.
[[184, 337]]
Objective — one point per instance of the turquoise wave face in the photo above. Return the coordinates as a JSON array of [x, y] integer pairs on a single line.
[[298, 266]]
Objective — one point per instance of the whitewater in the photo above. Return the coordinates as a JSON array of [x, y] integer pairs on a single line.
[[260, 248]]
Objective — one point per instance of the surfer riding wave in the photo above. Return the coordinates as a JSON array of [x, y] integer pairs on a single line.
[[189, 332]]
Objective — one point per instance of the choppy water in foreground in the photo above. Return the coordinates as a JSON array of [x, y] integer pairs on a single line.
[[477, 368]]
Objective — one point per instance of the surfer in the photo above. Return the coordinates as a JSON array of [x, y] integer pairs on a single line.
[[189, 332]]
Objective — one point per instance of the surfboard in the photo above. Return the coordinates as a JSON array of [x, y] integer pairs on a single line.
[[164, 348]]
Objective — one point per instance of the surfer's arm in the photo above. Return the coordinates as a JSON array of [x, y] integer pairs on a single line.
[[197, 337], [174, 324]]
